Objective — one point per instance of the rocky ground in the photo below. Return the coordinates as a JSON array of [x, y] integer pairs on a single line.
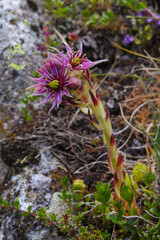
[[24, 171], [34, 155]]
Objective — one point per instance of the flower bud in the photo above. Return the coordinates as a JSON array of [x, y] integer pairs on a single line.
[[78, 184], [139, 172], [74, 83]]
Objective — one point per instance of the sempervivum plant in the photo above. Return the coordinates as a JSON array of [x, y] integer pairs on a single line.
[[58, 76]]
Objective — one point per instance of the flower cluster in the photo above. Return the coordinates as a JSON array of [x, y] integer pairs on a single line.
[[150, 14], [55, 78]]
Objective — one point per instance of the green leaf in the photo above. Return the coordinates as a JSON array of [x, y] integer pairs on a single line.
[[61, 12], [41, 213], [29, 209], [103, 193], [86, 13], [78, 205], [119, 204], [120, 214], [94, 19], [113, 218], [69, 198], [36, 74], [29, 118], [129, 225], [147, 28], [81, 215], [149, 178], [137, 41], [16, 203], [25, 214], [7, 204], [132, 220], [100, 188], [139, 6], [155, 211], [1, 200], [106, 235], [83, 229], [53, 217], [78, 196], [26, 112], [107, 16], [126, 3], [148, 36], [24, 101], [102, 198], [60, 196], [64, 194], [59, 3], [65, 182], [127, 194], [88, 198]]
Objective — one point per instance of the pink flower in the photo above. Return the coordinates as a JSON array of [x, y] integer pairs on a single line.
[[75, 60], [72, 36], [52, 82], [46, 32]]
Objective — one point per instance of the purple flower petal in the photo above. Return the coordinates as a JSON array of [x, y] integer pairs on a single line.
[[54, 103], [66, 92], [69, 50], [59, 98], [39, 93], [53, 67], [40, 80], [47, 98], [128, 39], [32, 87]]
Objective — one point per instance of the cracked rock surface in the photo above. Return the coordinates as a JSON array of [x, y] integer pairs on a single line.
[[25, 172]]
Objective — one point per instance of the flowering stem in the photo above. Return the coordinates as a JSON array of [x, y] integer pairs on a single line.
[[91, 104], [61, 75]]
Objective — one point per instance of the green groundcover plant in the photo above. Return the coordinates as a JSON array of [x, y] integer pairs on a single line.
[[64, 78], [143, 21]]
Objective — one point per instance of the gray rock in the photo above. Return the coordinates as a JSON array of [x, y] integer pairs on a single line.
[[4, 170], [20, 27], [1, 235]]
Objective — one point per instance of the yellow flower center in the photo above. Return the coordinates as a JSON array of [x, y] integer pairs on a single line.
[[54, 84], [75, 61]]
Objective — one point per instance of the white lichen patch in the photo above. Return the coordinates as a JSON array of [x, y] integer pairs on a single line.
[[57, 206]]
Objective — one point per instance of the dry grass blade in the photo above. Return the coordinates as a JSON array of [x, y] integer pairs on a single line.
[[133, 53]]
